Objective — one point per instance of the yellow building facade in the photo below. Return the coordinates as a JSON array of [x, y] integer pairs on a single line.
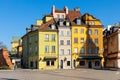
[[14, 44], [87, 43], [48, 50]]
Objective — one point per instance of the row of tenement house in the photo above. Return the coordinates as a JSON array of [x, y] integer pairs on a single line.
[[66, 39]]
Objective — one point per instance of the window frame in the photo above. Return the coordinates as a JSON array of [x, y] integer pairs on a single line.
[[82, 51], [46, 37], [68, 51], [82, 63], [46, 49], [68, 42], [61, 51], [75, 40], [61, 42], [90, 32], [96, 32], [75, 30], [53, 37], [53, 49], [68, 63], [82, 40], [89, 50], [82, 30], [75, 50]]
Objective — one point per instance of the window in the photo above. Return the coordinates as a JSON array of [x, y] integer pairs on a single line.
[[90, 50], [30, 50], [53, 37], [61, 33], [62, 16], [75, 40], [46, 37], [82, 50], [68, 63], [82, 63], [58, 16], [36, 49], [68, 51], [36, 38], [96, 40], [53, 49], [97, 63], [61, 42], [61, 51], [30, 40], [61, 23], [89, 41], [91, 23], [96, 50], [68, 42], [31, 64], [89, 31], [96, 32], [75, 30], [46, 49], [82, 31], [75, 50], [50, 63], [52, 26], [78, 21], [68, 33], [67, 24], [82, 40]]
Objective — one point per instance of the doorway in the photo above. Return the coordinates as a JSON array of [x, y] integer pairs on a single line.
[[89, 64], [74, 63], [61, 64]]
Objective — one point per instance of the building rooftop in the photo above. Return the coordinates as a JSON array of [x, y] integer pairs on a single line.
[[15, 38]]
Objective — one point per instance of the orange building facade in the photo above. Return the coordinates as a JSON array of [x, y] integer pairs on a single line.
[[4, 58]]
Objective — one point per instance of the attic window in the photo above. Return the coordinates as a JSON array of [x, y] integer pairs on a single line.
[[91, 23], [58, 16], [62, 16], [52, 26], [67, 23], [78, 21], [61, 23]]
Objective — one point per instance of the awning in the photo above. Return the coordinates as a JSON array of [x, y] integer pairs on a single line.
[[50, 58], [90, 57]]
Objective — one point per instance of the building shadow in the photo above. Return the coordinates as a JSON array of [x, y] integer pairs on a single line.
[[89, 52], [9, 79]]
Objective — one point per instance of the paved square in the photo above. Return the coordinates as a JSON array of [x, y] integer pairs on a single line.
[[73, 74]]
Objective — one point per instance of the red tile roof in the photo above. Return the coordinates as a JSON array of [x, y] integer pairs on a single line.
[[46, 26], [72, 15], [59, 11]]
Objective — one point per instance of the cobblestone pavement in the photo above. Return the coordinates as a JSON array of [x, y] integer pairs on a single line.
[[73, 74]]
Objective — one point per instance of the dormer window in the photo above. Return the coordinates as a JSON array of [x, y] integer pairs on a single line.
[[67, 23], [52, 26], [78, 21], [62, 16], [91, 23], [58, 16], [61, 23]]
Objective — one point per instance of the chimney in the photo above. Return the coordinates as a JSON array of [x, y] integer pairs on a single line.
[[28, 30], [66, 9], [53, 9], [77, 9]]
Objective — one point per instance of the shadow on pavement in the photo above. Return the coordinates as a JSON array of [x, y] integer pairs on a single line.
[[8, 79]]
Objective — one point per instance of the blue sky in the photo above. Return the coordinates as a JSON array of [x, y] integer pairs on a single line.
[[16, 15]]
